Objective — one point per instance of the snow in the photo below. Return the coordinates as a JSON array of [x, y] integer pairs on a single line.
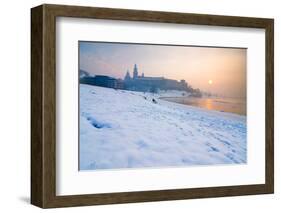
[[125, 129]]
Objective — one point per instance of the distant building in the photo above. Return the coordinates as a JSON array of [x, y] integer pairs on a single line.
[[135, 73], [142, 83], [135, 83], [103, 81], [127, 76], [119, 84]]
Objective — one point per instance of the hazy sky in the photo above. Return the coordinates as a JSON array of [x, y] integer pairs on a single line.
[[225, 67]]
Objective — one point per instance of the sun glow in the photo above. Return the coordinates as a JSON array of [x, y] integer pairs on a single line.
[[210, 82]]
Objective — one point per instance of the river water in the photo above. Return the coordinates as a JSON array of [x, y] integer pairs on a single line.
[[233, 105]]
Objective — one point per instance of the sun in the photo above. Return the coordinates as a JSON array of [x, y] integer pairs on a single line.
[[210, 82]]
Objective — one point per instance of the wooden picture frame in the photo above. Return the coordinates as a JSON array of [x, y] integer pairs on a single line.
[[43, 105]]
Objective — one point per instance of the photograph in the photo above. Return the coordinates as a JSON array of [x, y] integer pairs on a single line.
[[140, 105], [157, 106]]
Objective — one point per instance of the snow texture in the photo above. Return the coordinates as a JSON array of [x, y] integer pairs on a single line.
[[125, 129]]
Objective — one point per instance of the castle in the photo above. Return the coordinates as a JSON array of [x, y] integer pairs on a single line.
[[142, 83], [136, 82]]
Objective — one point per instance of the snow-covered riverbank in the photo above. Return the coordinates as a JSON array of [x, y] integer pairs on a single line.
[[125, 129]]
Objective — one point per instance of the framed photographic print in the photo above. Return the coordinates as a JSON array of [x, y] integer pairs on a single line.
[[136, 106]]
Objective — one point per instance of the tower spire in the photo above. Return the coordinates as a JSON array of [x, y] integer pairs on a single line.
[[127, 76], [135, 73]]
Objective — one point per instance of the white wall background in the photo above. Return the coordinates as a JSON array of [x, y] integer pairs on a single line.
[[15, 105]]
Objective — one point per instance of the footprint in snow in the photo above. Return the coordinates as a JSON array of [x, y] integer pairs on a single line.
[[95, 123]]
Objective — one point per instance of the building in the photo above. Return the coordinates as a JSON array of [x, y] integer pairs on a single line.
[[145, 84], [135, 73], [103, 81], [127, 76], [136, 82]]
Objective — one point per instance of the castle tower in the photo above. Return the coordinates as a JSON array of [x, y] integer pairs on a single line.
[[127, 76], [135, 73]]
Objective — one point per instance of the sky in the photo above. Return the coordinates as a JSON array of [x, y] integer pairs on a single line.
[[219, 71]]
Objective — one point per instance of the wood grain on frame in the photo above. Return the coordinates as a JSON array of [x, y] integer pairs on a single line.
[[43, 105]]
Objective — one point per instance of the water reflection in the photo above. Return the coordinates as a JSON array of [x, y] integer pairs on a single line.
[[233, 105]]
